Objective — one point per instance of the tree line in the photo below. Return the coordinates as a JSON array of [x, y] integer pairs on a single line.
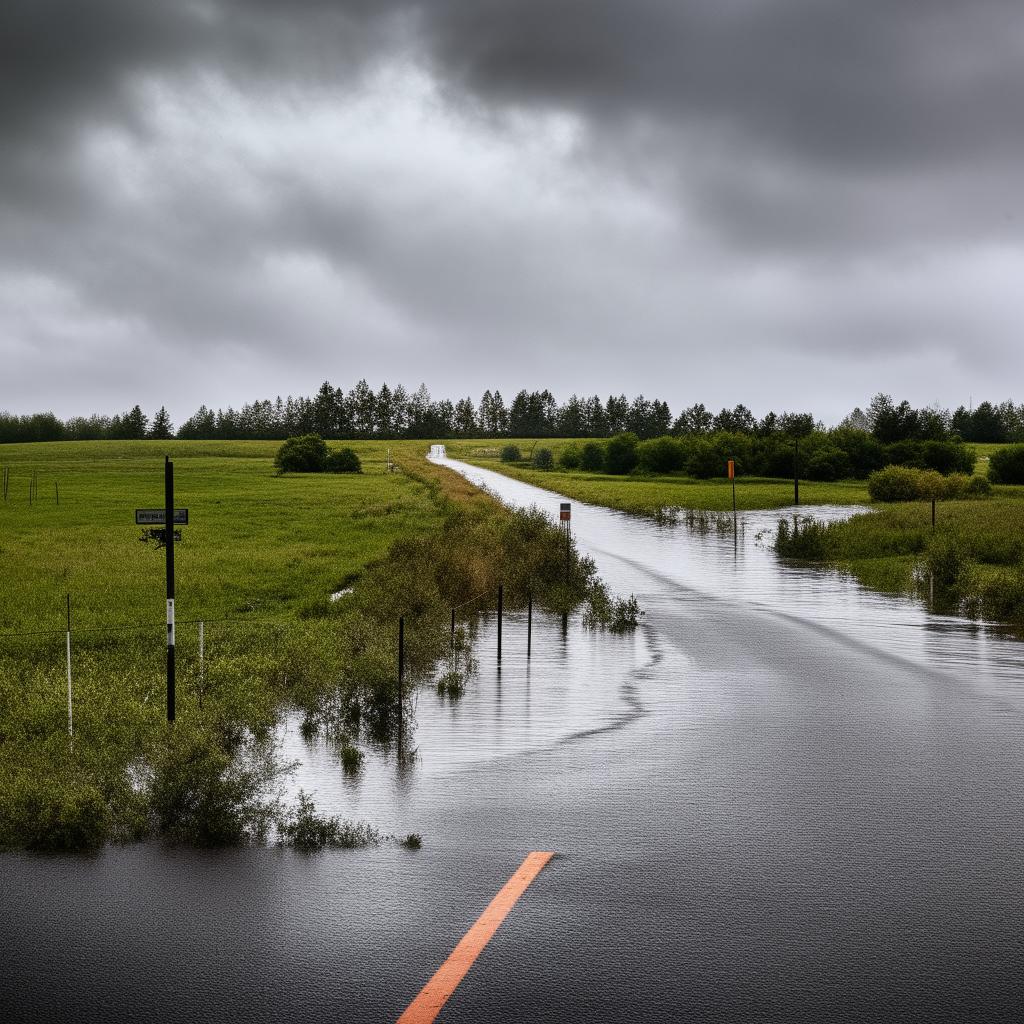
[[362, 412]]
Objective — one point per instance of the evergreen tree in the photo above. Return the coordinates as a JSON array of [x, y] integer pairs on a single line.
[[162, 429]]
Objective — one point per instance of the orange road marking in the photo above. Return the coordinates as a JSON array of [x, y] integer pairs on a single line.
[[427, 1005]]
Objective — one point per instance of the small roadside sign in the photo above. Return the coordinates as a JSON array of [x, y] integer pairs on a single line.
[[732, 470], [158, 517], [565, 512]]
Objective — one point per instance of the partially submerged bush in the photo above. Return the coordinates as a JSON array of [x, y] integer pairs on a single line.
[[805, 539], [946, 561], [510, 453], [1006, 466], [203, 795], [413, 841], [68, 817], [351, 756], [305, 830]]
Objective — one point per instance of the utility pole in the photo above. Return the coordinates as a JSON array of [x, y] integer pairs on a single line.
[[169, 548]]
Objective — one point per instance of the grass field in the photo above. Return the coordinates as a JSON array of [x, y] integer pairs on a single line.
[[264, 552], [257, 544], [646, 495]]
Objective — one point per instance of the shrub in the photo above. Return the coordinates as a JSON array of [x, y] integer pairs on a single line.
[[308, 831], [894, 483], [413, 841], [592, 457], [202, 795], [305, 454], [570, 457], [978, 487], [947, 457], [946, 560], [344, 460], [805, 539], [705, 461], [828, 464], [954, 486], [661, 455], [65, 818], [510, 453], [620, 455], [543, 459], [1006, 466]]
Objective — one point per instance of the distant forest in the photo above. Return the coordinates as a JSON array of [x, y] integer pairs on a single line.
[[395, 413]]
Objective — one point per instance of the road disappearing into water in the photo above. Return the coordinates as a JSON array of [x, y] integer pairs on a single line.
[[786, 800]]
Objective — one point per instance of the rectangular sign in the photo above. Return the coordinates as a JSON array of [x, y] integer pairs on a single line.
[[565, 512], [158, 517], [732, 470]]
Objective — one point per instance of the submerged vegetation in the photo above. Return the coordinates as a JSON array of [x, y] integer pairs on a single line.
[[973, 561], [412, 543]]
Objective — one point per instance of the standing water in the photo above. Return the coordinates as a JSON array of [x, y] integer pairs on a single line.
[[785, 798]]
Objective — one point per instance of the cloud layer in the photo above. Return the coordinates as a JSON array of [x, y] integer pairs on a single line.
[[781, 203]]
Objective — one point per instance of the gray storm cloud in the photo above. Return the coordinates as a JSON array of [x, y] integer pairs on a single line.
[[779, 203]]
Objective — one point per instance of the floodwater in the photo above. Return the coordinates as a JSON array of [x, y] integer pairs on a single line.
[[784, 798]]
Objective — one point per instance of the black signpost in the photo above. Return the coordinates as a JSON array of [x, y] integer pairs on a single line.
[[156, 520], [169, 520]]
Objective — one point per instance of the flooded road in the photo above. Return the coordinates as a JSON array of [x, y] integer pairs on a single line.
[[785, 798]]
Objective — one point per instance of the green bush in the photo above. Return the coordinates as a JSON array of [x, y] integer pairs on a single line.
[[705, 461], [828, 463], [570, 457], [202, 795], [946, 560], [894, 483], [343, 460], [620, 455], [661, 455], [1006, 466], [66, 818], [805, 539], [543, 459], [308, 831], [305, 454], [592, 457], [510, 453], [978, 487]]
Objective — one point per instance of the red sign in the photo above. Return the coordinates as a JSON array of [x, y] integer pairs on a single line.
[[565, 512], [732, 470]]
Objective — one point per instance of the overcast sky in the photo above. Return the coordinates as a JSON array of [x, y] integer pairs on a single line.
[[786, 203]]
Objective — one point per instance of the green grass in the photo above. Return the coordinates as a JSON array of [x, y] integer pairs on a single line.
[[257, 544], [646, 495]]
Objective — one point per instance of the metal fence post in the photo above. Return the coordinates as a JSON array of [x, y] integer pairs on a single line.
[[529, 622]]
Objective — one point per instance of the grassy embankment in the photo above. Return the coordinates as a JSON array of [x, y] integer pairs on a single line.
[[976, 555], [649, 495], [263, 551]]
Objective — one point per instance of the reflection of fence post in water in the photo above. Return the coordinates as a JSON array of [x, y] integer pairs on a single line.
[[529, 622], [401, 679], [501, 603], [565, 518]]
